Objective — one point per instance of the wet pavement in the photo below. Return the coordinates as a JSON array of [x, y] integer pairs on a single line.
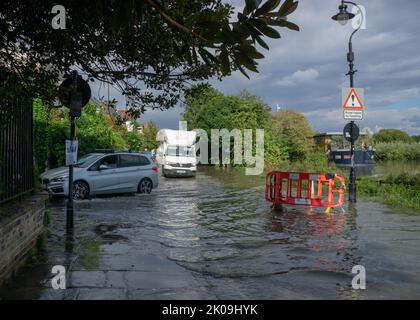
[[215, 237]]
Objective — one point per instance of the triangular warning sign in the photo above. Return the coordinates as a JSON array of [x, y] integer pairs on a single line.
[[353, 101]]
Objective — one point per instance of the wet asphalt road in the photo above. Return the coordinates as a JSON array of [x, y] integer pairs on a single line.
[[215, 237]]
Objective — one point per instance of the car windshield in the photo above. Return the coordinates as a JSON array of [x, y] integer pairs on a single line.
[[87, 160], [180, 151]]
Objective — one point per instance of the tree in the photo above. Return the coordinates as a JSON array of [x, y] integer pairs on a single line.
[[294, 128], [148, 48], [150, 131], [134, 141], [391, 135], [95, 130], [207, 108]]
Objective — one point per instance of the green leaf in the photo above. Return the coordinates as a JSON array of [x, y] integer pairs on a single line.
[[207, 56], [139, 6], [212, 32], [272, 14], [241, 29], [288, 24], [254, 31], [271, 22], [190, 20], [251, 52], [262, 43], [251, 5], [288, 7], [244, 60], [265, 29], [267, 7], [187, 54], [224, 62], [256, 55], [242, 70], [194, 55], [122, 16], [229, 36]]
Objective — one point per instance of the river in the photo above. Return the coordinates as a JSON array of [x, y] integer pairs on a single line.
[[215, 237]]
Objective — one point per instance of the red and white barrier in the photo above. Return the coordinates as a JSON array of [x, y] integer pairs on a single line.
[[305, 189]]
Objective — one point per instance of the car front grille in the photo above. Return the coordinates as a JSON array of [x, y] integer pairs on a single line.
[[182, 165]]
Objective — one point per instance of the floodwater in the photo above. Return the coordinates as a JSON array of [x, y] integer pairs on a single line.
[[215, 237], [386, 168], [397, 167]]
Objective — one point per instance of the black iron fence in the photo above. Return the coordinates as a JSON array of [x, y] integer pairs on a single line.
[[16, 147]]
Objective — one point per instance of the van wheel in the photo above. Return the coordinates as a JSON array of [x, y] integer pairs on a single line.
[[145, 186], [80, 190]]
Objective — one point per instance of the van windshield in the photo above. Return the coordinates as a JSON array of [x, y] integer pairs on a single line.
[[180, 151]]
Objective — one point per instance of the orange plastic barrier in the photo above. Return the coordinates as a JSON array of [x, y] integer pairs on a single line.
[[305, 189]]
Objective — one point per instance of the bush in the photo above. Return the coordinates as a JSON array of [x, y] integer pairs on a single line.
[[134, 141], [399, 191], [276, 153], [94, 130], [397, 151], [392, 135], [315, 161], [404, 179], [294, 128]]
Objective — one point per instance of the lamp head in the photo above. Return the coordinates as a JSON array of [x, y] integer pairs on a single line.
[[343, 15]]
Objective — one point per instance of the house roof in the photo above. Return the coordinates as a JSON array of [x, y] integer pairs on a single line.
[[125, 115]]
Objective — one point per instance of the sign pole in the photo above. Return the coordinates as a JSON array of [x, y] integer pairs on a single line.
[[74, 93], [352, 178], [69, 216], [70, 211]]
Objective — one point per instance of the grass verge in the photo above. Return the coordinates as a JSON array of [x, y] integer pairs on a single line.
[[402, 191]]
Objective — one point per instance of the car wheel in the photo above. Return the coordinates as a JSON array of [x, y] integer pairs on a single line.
[[80, 190], [145, 186]]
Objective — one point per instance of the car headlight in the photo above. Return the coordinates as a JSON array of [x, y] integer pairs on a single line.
[[59, 179]]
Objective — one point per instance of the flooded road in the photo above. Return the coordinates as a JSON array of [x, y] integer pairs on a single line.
[[215, 237]]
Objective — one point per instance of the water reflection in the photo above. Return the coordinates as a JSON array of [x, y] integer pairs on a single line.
[[318, 231]]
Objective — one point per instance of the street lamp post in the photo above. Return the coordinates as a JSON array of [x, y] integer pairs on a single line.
[[343, 17]]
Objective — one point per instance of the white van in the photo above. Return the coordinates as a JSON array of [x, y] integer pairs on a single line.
[[176, 154]]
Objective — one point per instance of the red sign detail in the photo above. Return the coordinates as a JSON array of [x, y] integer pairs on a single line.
[[353, 101]]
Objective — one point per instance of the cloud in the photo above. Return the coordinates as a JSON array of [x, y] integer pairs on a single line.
[[298, 77], [305, 70], [407, 119]]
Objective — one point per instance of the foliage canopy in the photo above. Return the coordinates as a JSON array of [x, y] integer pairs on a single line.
[[148, 48], [392, 135], [294, 128], [95, 130]]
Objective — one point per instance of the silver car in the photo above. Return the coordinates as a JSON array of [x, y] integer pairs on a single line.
[[104, 173]]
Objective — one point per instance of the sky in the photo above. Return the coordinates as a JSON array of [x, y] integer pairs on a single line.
[[305, 70]]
